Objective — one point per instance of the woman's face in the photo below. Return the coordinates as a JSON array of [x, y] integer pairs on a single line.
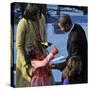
[[31, 12], [34, 15]]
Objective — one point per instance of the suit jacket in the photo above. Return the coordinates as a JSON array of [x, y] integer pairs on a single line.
[[77, 45]]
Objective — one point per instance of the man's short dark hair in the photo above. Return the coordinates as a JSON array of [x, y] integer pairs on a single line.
[[67, 19]]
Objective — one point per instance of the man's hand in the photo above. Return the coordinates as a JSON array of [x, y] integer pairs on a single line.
[[54, 66]]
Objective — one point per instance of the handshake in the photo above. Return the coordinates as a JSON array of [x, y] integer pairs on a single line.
[[36, 62]]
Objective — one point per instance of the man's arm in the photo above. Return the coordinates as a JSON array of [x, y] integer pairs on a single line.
[[59, 66]]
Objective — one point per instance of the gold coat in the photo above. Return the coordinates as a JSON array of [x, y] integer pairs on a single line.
[[25, 35]]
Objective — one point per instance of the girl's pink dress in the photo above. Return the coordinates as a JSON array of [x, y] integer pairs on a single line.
[[42, 76]]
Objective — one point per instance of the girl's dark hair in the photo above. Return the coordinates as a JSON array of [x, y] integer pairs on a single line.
[[31, 10]]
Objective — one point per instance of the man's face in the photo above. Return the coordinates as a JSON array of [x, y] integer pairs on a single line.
[[62, 25]]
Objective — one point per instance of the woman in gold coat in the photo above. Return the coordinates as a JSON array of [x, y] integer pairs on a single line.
[[26, 35]]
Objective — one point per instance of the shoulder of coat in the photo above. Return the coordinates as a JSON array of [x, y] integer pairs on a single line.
[[23, 21]]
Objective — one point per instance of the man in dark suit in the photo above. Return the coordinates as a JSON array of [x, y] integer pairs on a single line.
[[76, 45]]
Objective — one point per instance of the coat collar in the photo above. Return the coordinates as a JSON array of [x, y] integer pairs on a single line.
[[71, 28]]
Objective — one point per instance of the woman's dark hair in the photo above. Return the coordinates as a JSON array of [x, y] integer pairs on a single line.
[[31, 11]]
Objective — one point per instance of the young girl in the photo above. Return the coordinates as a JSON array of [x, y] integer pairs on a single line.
[[72, 70], [41, 72]]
